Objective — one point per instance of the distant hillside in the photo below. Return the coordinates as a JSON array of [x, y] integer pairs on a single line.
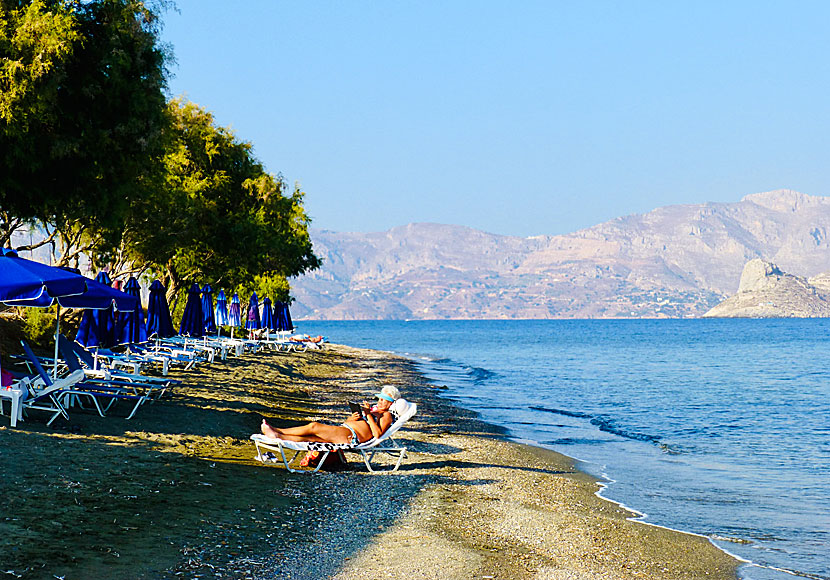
[[674, 261]]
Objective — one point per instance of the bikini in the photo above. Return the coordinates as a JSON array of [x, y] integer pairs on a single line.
[[355, 440]]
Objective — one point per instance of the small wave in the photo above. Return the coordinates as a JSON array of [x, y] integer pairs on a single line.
[[606, 425], [795, 573], [576, 414], [574, 441], [730, 539], [479, 375]]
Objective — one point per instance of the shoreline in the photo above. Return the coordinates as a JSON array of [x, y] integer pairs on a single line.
[[175, 491], [603, 483], [573, 471]]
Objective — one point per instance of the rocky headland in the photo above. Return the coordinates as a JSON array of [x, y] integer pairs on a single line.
[[766, 291]]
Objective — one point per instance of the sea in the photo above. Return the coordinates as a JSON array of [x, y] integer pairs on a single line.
[[710, 426]]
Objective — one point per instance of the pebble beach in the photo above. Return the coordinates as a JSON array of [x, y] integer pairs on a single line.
[[176, 492]]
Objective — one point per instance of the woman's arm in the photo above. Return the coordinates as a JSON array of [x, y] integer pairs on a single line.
[[379, 426]]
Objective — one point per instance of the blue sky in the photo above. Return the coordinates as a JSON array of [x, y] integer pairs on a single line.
[[518, 118]]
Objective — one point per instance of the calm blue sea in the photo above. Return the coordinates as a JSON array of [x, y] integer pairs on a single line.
[[717, 427]]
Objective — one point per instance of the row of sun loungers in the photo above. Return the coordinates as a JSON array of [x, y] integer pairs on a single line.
[[100, 379]]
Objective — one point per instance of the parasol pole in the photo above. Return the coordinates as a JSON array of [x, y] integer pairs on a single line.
[[57, 334]]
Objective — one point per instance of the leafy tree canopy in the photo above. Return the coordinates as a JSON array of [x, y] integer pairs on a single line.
[[218, 217], [81, 108]]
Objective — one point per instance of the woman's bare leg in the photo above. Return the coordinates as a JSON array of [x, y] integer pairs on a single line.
[[309, 432]]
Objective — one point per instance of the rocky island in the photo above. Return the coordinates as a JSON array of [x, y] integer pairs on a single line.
[[766, 291]]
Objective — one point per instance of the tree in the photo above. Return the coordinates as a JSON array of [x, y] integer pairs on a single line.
[[217, 216], [82, 110]]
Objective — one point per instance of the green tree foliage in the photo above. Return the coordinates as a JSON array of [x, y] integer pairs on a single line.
[[218, 217], [81, 109]]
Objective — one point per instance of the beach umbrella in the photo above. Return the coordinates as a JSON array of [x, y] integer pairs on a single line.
[[207, 309], [98, 296], [235, 311], [221, 311], [289, 325], [253, 321], [268, 315], [158, 312], [130, 326], [193, 320], [283, 316], [97, 326], [279, 316], [23, 280]]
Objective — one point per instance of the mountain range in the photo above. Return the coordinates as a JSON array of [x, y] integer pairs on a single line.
[[674, 261]]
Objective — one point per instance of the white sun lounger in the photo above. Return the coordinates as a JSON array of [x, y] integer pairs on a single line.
[[367, 449]]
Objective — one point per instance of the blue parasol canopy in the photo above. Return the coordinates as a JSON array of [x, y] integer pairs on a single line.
[[98, 296], [283, 316], [253, 321], [235, 311], [130, 326], [22, 279], [207, 309], [268, 315], [97, 326], [287, 315], [158, 312], [221, 311], [193, 321]]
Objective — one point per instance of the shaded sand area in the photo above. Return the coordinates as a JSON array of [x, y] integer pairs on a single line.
[[175, 492]]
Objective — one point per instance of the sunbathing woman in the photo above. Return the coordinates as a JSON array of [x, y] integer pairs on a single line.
[[355, 430]]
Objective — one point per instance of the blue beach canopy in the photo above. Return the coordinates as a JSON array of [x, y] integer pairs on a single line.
[[221, 311], [283, 316], [268, 315], [98, 296], [130, 326], [193, 321], [207, 310], [22, 279], [97, 326], [289, 325], [158, 312], [279, 315], [253, 321], [235, 311]]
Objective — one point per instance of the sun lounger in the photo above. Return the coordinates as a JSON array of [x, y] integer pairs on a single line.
[[97, 368], [383, 444], [47, 397], [88, 391], [113, 389]]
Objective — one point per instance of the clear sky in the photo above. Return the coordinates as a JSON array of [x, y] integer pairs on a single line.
[[521, 118]]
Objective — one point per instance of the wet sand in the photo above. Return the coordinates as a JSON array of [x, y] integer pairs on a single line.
[[175, 492]]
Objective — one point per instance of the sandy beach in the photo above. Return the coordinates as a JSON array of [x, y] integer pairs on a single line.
[[175, 492]]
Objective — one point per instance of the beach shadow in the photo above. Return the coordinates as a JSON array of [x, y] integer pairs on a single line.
[[426, 447], [455, 464]]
